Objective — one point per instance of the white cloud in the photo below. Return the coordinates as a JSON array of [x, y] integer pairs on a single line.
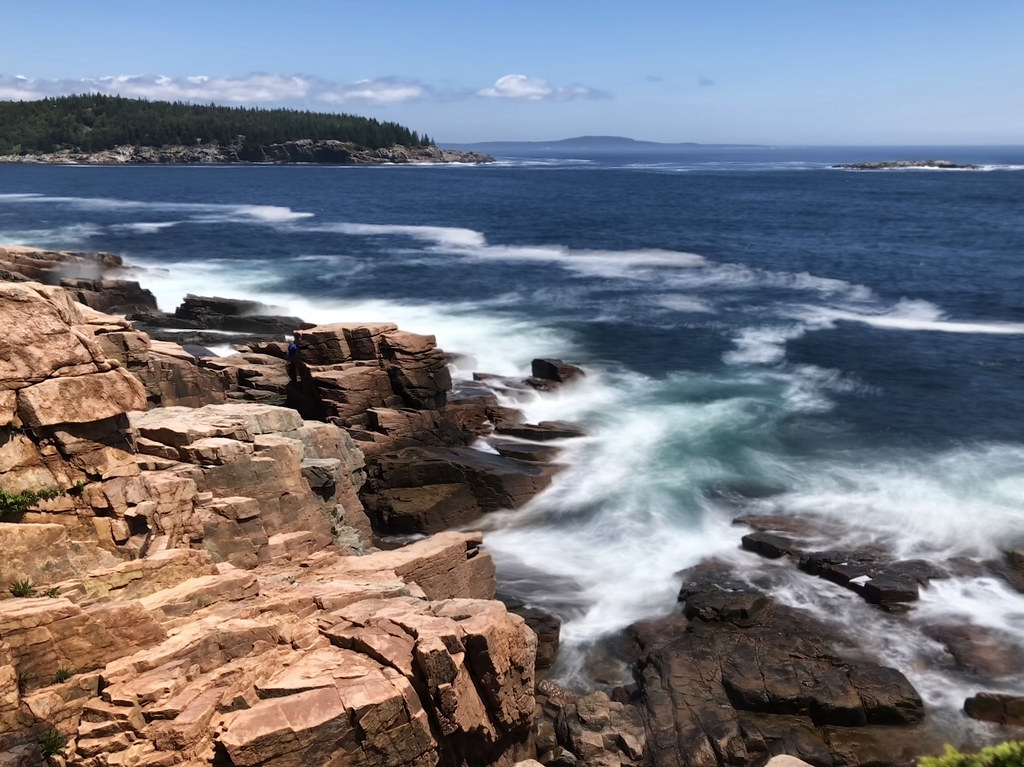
[[533, 89], [259, 88], [381, 91]]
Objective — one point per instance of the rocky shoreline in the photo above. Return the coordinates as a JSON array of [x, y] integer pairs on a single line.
[[328, 152], [214, 579]]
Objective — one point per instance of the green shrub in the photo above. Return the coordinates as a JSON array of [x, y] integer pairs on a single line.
[[52, 742], [1004, 755], [13, 504], [63, 674], [53, 592], [23, 588]]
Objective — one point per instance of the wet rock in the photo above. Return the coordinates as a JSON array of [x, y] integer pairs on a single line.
[[547, 627], [707, 680], [110, 296], [234, 314], [555, 370], [543, 431], [770, 545], [524, 451], [495, 482], [890, 588], [996, 707], [986, 652]]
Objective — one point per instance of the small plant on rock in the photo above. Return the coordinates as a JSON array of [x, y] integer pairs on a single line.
[[63, 674], [23, 588], [52, 742], [14, 504], [1005, 755], [53, 592]]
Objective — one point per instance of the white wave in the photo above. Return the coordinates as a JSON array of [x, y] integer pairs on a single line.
[[270, 214], [437, 235], [907, 314], [680, 302], [967, 501], [488, 342], [145, 227], [70, 237], [762, 345]]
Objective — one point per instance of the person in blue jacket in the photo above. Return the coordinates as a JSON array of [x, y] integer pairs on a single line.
[[293, 361]]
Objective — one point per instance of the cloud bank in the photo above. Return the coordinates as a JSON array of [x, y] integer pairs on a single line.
[[264, 88], [259, 88]]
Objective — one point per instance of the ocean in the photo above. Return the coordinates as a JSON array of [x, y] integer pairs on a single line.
[[762, 333]]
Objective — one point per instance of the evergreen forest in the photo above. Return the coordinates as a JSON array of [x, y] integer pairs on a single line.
[[92, 123]]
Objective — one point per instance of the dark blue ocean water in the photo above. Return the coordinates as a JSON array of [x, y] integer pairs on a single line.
[[762, 332]]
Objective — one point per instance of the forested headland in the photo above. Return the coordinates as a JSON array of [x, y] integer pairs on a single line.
[[94, 123]]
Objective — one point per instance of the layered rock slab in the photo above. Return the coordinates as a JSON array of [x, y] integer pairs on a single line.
[[738, 677]]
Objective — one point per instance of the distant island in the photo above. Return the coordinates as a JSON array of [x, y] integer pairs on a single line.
[[98, 129], [896, 164], [589, 143]]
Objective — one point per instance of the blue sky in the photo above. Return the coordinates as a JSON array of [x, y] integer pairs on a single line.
[[712, 71]]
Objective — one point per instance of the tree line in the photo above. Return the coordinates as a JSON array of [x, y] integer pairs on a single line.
[[92, 123]]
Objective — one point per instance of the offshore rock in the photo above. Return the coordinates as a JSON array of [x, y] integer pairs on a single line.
[[897, 164]]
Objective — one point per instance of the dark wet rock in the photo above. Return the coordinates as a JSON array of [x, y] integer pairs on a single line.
[[890, 588], [996, 707], [714, 597], [234, 315], [548, 629], [869, 573], [545, 430], [985, 652], [524, 451], [555, 370], [1010, 569], [769, 545], [425, 509], [110, 296], [743, 675], [428, 489]]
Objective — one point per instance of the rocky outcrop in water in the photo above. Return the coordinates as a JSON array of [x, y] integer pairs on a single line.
[[329, 152], [737, 678], [898, 164]]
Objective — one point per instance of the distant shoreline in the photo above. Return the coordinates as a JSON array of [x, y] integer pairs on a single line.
[[303, 151]]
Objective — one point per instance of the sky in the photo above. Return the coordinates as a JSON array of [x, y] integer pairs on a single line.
[[781, 72]]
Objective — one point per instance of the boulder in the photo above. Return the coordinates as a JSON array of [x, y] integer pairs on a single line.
[[81, 398], [996, 707], [555, 370]]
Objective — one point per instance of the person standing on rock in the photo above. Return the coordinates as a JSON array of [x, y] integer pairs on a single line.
[[293, 361]]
